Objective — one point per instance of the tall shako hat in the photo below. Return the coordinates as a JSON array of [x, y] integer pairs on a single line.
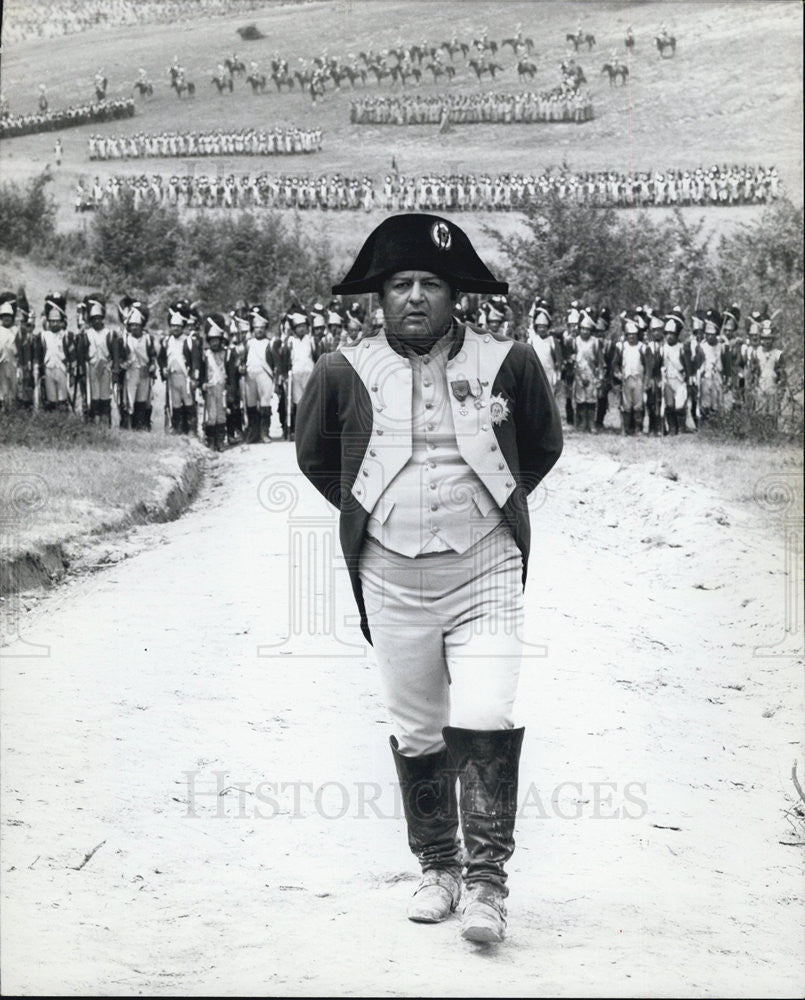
[[178, 313], [94, 305], [259, 316], [215, 326], [8, 304], [419, 242], [55, 306]]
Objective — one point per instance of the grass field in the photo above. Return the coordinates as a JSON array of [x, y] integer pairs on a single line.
[[62, 478], [732, 93]]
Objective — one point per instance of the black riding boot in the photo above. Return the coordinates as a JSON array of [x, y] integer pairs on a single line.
[[487, 764], [177, 415], [254, 425], [428, 787], [209, 435], [265, 424], [220, 437], [638, 421], [628, 421]]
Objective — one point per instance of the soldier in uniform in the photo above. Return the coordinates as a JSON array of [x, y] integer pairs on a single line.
[[568, 358], [713, 371], [176, 369], [9, 361], [631, 367], [25, 354], [769, 377], [676, 377], [428, 436], [544, 343], [212, 380], [97, 349], [586, 372], [54, 348], [138, 360], [281, 356], [655, 346], [259, 384], [606, 346], [300, 348]]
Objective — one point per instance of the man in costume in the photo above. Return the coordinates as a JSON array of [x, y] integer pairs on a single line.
[[428, 436]]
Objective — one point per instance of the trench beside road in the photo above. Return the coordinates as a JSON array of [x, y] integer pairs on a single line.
[[198, 794]]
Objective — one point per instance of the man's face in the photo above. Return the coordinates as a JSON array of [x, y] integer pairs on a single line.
[[300, 330], [96, 322], [54, 325], [417, 304], [136, 330], [7, 320]]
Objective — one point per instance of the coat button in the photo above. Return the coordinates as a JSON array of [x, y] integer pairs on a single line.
[[433, 486], [426, 383], [485, 427], [428, 406], [509, 484], [501, 465], [364, 472], [431, 426], [372, 452], [374, 388], [434, 506], [426, 361], [379, 430], [487, 338], [494, 447]]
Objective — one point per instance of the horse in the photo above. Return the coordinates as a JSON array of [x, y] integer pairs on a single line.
[[451, 48], [480, 68], [439, 70], [143, 88], [180, 85], [381, 71], [615, 70], [403, 74], [525, 67], [580, 39], [234, 66], [664, 42], [100, 89], [282, 78], [351, 73], [222, 83], [482, 44], [517, 42], [257, 81]]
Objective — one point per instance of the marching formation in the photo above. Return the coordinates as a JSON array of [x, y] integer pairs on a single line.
[[724, 186], [220, 142], [225, 372], [557, 105], [79, 114]]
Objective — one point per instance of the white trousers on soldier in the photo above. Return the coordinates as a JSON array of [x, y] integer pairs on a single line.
[[447, 635]]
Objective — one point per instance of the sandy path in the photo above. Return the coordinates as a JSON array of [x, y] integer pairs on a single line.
[[650, 600]]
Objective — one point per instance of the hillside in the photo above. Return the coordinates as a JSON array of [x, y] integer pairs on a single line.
[[731, 94]]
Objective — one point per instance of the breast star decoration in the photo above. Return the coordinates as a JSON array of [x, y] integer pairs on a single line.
[[498, 409]]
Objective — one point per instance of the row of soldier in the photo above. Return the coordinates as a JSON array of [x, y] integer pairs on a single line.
[[678, 379], [220, 142], [76, 114], [223, 373], [560, 104], [649, 362], [434, 192]]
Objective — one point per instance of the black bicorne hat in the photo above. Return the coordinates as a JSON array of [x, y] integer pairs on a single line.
[[419, 242]]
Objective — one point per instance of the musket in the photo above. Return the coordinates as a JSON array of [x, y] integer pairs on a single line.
[[168, 411]]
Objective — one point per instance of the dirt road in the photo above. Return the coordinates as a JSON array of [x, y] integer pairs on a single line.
[[198, 796]]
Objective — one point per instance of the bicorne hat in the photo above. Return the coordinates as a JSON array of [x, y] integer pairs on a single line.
[[419, 242]]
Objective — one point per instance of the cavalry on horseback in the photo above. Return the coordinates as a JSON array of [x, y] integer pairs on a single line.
[[351, 72], [454, 46], [572, 74], [518, 42], [222, 80], [179, 81], [581, 38], [281, 74], [665, 41], [257, 81], [143, 85], [235, 66], [614, 70], [526, 68], [441, 69], [481, 67]]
